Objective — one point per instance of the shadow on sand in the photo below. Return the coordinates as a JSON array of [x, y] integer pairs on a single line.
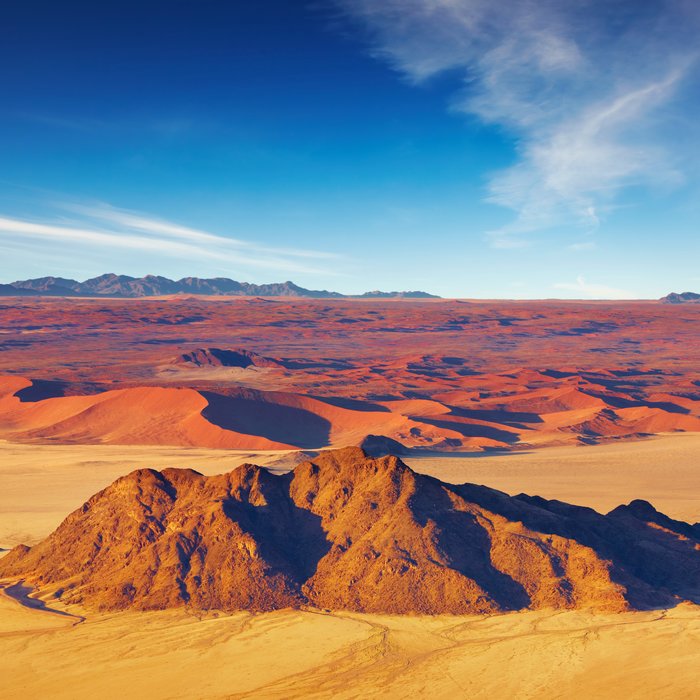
[[21, 594]]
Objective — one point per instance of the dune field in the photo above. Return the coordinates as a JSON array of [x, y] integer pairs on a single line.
[[440, 376]]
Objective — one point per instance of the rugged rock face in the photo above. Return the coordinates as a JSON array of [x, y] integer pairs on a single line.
[[381, 446], [682, 298], [218, 357], [346, 531]]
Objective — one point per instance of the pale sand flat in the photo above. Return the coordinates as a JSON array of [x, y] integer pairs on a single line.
[[295, 654], [16, 619]]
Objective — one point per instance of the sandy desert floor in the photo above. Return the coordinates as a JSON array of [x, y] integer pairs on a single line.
[[294, 654], [41, 484], [313, 654]]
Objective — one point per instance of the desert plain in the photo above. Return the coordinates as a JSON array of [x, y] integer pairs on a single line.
[[592, 404]]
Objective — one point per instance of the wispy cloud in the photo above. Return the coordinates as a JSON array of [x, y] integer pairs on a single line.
[[583, 87], [582, 245], [106, 229], [174, 126], [583, 289]]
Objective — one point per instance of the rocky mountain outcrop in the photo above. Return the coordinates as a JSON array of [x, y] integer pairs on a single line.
[[416, 294], [682, 298], [123, 286], [218, 357], [7, 290], [346, 531]]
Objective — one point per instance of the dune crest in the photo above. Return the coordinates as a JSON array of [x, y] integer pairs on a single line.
[[527, 411]]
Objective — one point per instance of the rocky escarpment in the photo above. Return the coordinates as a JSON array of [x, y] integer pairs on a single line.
[[220, 357], [345, 531], [681, 298]]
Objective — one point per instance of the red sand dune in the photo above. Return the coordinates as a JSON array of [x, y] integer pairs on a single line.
[[440, 375], [253, 419]]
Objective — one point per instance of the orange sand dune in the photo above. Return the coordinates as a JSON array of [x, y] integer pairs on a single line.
[[239, 418], [442, 376], [168, 416], [140, 416]]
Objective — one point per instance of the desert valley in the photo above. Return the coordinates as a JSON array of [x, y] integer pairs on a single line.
[[386, 543]]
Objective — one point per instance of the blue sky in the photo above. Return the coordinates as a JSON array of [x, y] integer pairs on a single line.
[[465, 147]]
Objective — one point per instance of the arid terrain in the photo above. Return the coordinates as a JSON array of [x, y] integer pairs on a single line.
[[359, 577], [305, 654], [272, 424], [261, 374], [189, 652], [344, 531]]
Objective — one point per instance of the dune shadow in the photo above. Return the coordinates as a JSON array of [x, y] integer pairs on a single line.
[[470, 430], [277, 422], [181, 321], [472, 454], [319, 364], [496, 416], [41, 389], [353, 404], [621, 402], [158, 341]]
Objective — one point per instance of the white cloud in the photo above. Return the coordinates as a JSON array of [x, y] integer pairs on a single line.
[[585, 289], [583, 245], [108, 230], [129, 220], [502, 241], [583, 87]]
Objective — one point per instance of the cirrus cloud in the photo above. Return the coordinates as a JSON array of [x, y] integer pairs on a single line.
[[585, 88], [106, 231], [583, 289]]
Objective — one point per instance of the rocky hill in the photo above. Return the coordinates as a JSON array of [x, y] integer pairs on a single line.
[[123, 286], [682, 298], [218, 357], [345, 531]]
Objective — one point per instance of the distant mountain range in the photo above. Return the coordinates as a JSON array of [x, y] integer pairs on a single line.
[[123, 286], [682, 298]]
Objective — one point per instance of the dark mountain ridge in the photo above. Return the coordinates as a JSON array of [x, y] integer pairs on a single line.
[[682, 298], [124, 286]]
